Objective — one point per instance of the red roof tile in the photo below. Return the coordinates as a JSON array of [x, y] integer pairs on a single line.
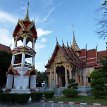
[[5, 48]]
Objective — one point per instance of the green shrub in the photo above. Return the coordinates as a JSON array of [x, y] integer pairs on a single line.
[[18, 98], [36, 96], [48, 94], [98, 82], [70, 92], [22, 98], [72, 84]]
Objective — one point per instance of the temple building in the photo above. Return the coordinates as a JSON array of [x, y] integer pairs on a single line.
[[69, 62], [21, 75]]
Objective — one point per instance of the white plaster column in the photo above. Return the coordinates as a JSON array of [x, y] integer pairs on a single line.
[[70, 74], [33, 44], [55, 75], [76, 76], [66, 77], [23, 59], [33, 60], [15, 43], [50, 77], [9, 82], [24, 41], [32, 81], [13, 59], [56, 79]]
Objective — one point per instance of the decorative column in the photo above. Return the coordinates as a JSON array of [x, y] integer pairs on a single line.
[[23, 59], [9, 81], [66, 77], [24, 41], [70, 74], [50, 79], [33, 60], [33, 44], [15, 43], [55, 76], [13, 59], [56, 79]]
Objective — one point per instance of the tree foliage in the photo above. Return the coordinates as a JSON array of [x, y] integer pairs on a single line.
[[42, 76], [102, 21], [5, 60], [99, 80]]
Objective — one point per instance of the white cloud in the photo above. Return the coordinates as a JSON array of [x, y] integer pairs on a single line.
[[43, 40], [49, 13], [42, 32], [4, 16], [39, 46], [50, 2], [5, 37]]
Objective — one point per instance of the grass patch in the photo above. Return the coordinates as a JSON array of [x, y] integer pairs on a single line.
[[82, 99]]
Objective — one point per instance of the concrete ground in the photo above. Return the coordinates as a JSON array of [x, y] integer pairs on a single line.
[[47, 104]]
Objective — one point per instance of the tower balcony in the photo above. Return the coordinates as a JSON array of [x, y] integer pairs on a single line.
[[22, 49]]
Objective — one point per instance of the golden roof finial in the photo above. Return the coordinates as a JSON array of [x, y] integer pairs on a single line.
[[74, 43], [27, 13]]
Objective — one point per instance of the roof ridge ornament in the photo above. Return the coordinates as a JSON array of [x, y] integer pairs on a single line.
[[74, 45], [27, 13], [56, 40]]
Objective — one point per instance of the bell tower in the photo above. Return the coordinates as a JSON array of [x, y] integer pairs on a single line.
[[21, 76]]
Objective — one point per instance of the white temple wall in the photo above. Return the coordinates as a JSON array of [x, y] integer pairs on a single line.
[[9, 81], [25, 82], [17, 82], [32, 81]]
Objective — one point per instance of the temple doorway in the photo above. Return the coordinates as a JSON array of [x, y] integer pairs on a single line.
[[60, 76]]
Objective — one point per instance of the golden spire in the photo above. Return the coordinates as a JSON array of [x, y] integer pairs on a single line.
[[74, 45], [27, 13]]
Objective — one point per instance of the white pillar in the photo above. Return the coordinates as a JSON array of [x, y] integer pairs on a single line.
[[32, 81], [70, 74], [13, 59], [50, 79], [24, 41], [66, 77], [15, 43], [56, 79], [9, 82], [23, 59], [33, 44], [33, 60], [55, 75]]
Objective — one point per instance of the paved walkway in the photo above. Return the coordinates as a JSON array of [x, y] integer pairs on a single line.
[[49, 104]]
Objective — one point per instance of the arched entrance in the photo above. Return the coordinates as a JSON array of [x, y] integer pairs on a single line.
[[60, 71]]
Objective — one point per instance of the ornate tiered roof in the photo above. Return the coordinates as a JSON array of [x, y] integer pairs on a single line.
[[25, 26], [69, 54]]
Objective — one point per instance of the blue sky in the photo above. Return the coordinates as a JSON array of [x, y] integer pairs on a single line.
[[53, 18]]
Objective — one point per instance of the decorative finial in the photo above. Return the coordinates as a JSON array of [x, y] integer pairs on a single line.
[[62, 42], [96, 46], [27, 13], [67, 44], [74, 45], [86, 47], [56, 40]]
